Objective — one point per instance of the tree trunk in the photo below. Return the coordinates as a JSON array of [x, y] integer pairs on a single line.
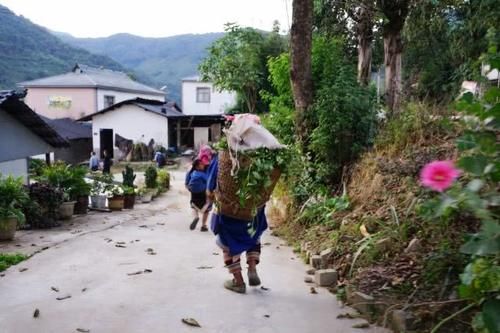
[[365, 37], [395, 12], [393, 49], [301, 68]]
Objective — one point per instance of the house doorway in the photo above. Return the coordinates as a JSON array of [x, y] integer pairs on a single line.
[[106, 141]]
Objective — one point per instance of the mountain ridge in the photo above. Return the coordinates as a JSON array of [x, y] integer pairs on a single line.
[[164, 60], [30, 51]]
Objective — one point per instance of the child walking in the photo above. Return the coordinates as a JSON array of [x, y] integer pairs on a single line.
[[196, 183]]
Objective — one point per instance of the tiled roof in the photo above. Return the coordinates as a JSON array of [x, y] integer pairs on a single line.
[[70, 129], [166, 109], [85, 76], [10, 102]]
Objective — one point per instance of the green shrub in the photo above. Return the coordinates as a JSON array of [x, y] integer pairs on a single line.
[[128, 176], [12, 197], [151, 177], [163, 179]]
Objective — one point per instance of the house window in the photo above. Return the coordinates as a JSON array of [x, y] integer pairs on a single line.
[[202, 95], [108, 101]]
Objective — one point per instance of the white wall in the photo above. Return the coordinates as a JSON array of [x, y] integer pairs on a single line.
[[219, 101], [16, 168], [200, 136], [121, 96], [131, 122]]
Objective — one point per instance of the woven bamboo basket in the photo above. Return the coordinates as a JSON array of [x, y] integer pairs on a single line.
[[227, 188]]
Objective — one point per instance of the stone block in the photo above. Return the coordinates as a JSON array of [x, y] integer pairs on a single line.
[[308, 279], [403, 321], [315, 261], [311, 271], [362, 302], [326, 277], [325, 256]]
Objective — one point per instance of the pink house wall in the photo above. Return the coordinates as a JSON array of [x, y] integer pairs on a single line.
[[74, 102]]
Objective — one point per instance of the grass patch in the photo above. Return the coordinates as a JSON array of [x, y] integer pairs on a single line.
[[8, 259]]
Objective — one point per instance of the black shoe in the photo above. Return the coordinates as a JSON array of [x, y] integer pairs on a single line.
[[204, 228], [193, 224]]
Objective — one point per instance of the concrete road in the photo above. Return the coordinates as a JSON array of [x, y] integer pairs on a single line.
[[82, 260]]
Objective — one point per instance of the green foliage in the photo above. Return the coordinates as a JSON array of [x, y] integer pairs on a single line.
[[151, 177], [12, 197], [478, 196], [344, 112], [443, 42], [30, 52], [237, 62], [128, 176], [321, 211], [69, 179], [255, 177], [7, 260], [36, 167], [101, 183], [163, 179]]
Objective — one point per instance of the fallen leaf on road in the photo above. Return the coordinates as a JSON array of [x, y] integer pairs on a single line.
[[84, 290], [204, 267], [63, 297], [264, 288], [147, 270], [215, 253], [313, 290], [36, 314], [33, 244], [135, 273], [119, 245], [23, 269], [143, 226], [267, 316], [362, 325], [191, 322], [82, 330], [266, 244], [137, 240], [55, 289]]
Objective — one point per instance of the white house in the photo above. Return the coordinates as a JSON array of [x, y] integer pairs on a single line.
[[23, 134], [142, 120], [83, 91], [201, 98]]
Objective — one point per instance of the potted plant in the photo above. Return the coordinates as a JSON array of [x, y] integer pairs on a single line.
[[128, 197], [80, 190], [67, 207], [116, 197], [12, 196], [145, 195], [49, 199], [128, 187], [151, 180], [101, 184], [163, 179]]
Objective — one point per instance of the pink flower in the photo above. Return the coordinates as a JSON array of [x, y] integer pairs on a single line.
[[439, 175]]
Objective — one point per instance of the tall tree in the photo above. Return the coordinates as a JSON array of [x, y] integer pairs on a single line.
[[234, 63], [364, 17], [301, 68], [394, 12]]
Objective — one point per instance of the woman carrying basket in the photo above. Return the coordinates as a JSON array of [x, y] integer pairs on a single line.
[[235, 236]]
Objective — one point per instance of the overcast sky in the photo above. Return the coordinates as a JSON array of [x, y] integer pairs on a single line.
[[150, 18]]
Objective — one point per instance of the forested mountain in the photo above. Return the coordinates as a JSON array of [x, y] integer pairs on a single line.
[[164, 60], [29, 51]]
